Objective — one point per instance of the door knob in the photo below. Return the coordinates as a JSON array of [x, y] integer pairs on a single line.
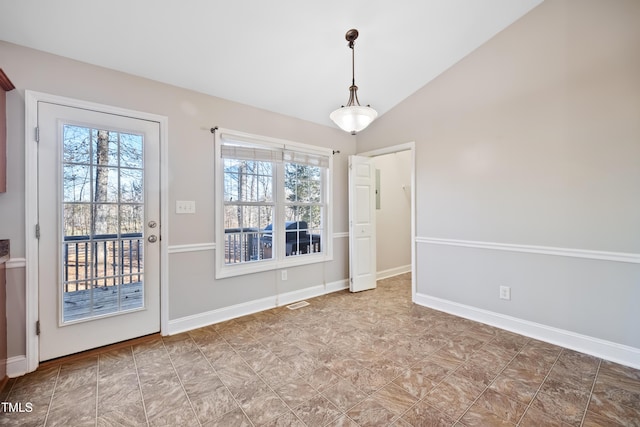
[[152, 224], [153, 238]]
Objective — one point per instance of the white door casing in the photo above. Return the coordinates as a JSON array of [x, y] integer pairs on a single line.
[[362, 224], [411, 147], [57, 337]]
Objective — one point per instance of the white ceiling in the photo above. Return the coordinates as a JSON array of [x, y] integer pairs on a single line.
[[287, 56]]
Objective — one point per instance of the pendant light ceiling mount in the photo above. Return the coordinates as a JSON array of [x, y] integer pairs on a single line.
[[351, 36], [353, 117]]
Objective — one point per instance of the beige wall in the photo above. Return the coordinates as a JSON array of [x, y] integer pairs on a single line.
[[393, 219], [533, 140], [192, 287], [16, 337]]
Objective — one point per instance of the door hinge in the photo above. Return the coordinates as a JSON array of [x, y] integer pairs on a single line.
[[37, 231], [37, 327], [351, 280], [37, 134]]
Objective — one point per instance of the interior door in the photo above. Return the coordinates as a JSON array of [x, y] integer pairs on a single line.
[[362, 224], [98, 215]]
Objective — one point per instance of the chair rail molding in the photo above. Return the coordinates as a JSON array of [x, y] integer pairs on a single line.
[[193, 247], [543, 250]]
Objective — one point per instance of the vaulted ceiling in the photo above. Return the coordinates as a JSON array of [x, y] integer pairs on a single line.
[[287, 56]]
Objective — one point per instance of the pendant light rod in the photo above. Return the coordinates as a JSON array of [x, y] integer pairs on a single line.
[[351, 37]]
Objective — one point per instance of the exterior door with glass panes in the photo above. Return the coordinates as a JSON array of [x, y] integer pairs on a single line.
[[99, 210]]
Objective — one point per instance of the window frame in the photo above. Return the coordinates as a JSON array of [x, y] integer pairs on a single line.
[[279, 260]]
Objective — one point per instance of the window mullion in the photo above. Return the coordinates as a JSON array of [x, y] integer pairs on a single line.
[[278, 221]]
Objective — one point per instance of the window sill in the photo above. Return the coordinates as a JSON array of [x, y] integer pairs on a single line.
[[226, 271]]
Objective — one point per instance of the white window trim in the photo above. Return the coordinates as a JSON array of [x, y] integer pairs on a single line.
[[225, 270]]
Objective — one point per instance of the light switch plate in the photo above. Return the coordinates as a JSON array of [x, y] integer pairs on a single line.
[[185, 206]]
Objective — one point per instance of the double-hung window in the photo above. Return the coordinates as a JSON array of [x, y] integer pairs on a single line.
[[273, 203]]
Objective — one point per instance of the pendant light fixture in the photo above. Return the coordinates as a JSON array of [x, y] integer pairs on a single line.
[[353, 117]]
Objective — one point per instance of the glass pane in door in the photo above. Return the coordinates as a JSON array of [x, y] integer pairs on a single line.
[[103, 213]]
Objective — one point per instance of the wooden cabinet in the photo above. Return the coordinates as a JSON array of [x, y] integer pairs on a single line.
[[5, 86]]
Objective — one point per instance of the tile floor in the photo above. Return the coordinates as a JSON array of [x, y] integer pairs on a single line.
[[364, 359]]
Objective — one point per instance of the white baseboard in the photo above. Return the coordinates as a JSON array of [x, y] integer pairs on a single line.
[[16, 366], [618, 353], [393, 272], [340, 285], [200, 320]]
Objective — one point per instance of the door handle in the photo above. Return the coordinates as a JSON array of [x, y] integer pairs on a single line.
[[152, 224], [153, 238]]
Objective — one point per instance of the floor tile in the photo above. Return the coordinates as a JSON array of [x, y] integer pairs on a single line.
[[344, 395], [118, 389], [518, 383], [492, 408], [423, 414], [343, 421], [394, 398], [288, 419], [295, 391], [565, 404], [130, 414], [370, 412], [453, 396], [535, 417], [213, 404], [414, 383], [611, 409], [317, 411], [597, 420], [346, 360], [37, 416], [263, 407], [235, 418], [322, 378]]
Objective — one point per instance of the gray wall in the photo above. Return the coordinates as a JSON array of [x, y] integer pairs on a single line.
[[192, 287], [533, 140]]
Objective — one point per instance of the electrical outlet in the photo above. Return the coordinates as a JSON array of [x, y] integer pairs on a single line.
[[185, 207], [283, 274], [505, 292]]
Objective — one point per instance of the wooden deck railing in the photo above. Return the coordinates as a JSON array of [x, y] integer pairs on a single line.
[[242, 244], [102, 260], [252, 244]]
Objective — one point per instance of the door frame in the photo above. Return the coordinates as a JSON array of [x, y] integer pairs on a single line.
[[31, 209], [408, 146]]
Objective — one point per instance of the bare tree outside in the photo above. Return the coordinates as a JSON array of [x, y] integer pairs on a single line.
[[100, 213], [103, 207], [248, 188], [303, 189], [249, 204]]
